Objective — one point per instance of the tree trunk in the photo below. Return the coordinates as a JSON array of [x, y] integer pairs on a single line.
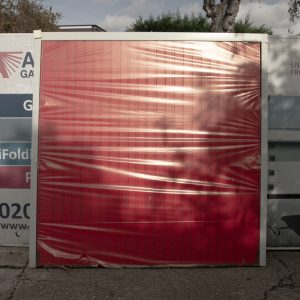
[[222, 15]]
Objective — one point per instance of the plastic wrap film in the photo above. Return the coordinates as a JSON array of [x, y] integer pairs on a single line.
[[149, 153]]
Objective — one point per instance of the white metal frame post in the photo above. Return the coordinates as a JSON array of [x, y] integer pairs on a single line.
[[34, 150], [264, 153], [153, 36]]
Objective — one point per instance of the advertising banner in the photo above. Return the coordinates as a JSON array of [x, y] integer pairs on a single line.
[[150, 152], [284, 66], [284, 190], [16, 85], [283, 224]]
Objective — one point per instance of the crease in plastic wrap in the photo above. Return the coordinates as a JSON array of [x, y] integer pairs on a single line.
[[149, 153]]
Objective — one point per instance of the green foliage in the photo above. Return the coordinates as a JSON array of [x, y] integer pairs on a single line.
[[175, 22], [26, 16], [246, 26], [172, 22]]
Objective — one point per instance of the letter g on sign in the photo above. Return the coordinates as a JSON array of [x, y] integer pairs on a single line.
[[27, 105]]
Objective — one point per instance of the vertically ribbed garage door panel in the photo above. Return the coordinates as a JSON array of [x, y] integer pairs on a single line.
[[149, 153]]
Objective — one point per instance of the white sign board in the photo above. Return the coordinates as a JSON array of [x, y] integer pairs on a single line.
[[283, 198], [16, 85], [284, 138], [284, 66]]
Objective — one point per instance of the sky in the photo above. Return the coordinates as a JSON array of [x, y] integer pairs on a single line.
[[116, 15]]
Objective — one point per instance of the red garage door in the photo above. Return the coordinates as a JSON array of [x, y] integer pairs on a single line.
[[149, 153]]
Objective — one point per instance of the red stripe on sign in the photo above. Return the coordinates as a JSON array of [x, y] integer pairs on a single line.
[[15, 177]]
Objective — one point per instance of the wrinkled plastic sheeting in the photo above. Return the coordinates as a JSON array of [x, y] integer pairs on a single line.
[[149, 153]]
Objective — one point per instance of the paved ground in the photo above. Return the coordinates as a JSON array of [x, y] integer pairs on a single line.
[[279, 280]]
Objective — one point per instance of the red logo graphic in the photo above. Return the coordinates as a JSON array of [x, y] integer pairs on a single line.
[[9, 62]]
